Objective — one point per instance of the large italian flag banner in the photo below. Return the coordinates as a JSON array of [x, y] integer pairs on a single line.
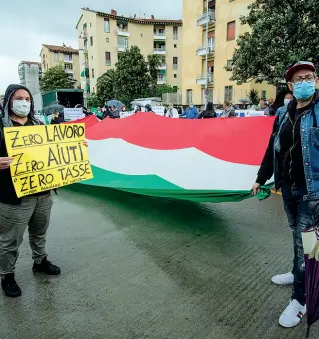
[[212, 160]]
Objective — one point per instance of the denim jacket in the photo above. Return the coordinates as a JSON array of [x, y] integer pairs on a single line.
[[310, 147]]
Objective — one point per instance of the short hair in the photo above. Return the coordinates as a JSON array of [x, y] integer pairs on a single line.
[[226, 103]]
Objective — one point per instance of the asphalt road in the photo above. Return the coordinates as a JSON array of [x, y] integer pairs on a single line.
[[136, 267]]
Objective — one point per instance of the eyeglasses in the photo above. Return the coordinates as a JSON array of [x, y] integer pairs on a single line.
[[309, 78]]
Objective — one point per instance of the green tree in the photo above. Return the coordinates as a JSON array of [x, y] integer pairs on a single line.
[[132, 76], [160, 89], [56, 78], [94, 100], [105, 86], [254, 97], [282, 32], [154, 61]]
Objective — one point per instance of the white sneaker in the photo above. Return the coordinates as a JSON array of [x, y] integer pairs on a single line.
[[283, 279], [292, 315]]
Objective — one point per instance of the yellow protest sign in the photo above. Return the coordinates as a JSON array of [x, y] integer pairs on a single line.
[[47, 157]]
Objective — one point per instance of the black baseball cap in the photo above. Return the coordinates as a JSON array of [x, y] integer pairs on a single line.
[[297, 66]]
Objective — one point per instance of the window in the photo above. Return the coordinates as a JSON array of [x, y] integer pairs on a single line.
[[175, 33], [229, 65], [207, 94], [175, 46], [161, 31], [68, 67], [107, 40], [91, 40], [92, 72], [56, 56], [175, 76], [85, 30], [67, 57], [211, 44], [92, 57], [106, 25], [189, 96], [122, 42], [90, 25], [175, 62], [229, 93], [231, 30], [108, 58], [263, 95]]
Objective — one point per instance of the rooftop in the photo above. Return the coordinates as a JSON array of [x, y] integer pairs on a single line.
[[61, 49], [29, 63], [145, 21]]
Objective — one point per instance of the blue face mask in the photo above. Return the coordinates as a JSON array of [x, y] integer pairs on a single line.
[[304, 90]]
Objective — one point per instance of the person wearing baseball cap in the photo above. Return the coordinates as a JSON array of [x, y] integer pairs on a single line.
[[292, 157]]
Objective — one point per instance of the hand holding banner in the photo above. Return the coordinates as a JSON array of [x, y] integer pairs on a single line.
[[47, 157]]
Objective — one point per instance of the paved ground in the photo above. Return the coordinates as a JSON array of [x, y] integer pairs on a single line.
[[137, 267]]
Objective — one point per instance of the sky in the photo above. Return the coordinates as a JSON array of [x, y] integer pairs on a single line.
[[26, 25]]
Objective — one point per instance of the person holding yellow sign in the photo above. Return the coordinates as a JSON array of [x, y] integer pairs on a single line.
[[16, 214]]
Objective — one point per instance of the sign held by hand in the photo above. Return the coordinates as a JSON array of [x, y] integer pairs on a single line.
[[47, 157]]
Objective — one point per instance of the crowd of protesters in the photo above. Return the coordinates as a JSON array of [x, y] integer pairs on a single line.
[[291, 157]]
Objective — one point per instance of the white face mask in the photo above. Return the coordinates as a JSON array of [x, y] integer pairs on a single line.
[[21, 108], [286, 101]]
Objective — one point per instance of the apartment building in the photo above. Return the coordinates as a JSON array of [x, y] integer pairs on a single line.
[[68, 57], [30, 73], [103, 36], [224, 27]]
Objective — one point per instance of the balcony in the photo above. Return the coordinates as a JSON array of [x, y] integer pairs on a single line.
[[69, 71], [201, 79], [159, 36], [160, 51], [123, 32], [201, 51], [206, 18], [122, 48], [175, 67], [161, 80], [162, 66], [68, 58]]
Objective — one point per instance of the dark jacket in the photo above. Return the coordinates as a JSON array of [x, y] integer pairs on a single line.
[[57, 121], [7, 191], [106, 114], [293, 157], [115, 114], [208, 113]]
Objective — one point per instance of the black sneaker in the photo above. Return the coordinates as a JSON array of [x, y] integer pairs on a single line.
[[46, 267], [10, 287]]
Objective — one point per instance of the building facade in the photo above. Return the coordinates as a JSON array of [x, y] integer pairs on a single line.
[[224, 27], [30, 73], [68, 57], [103, 36]]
